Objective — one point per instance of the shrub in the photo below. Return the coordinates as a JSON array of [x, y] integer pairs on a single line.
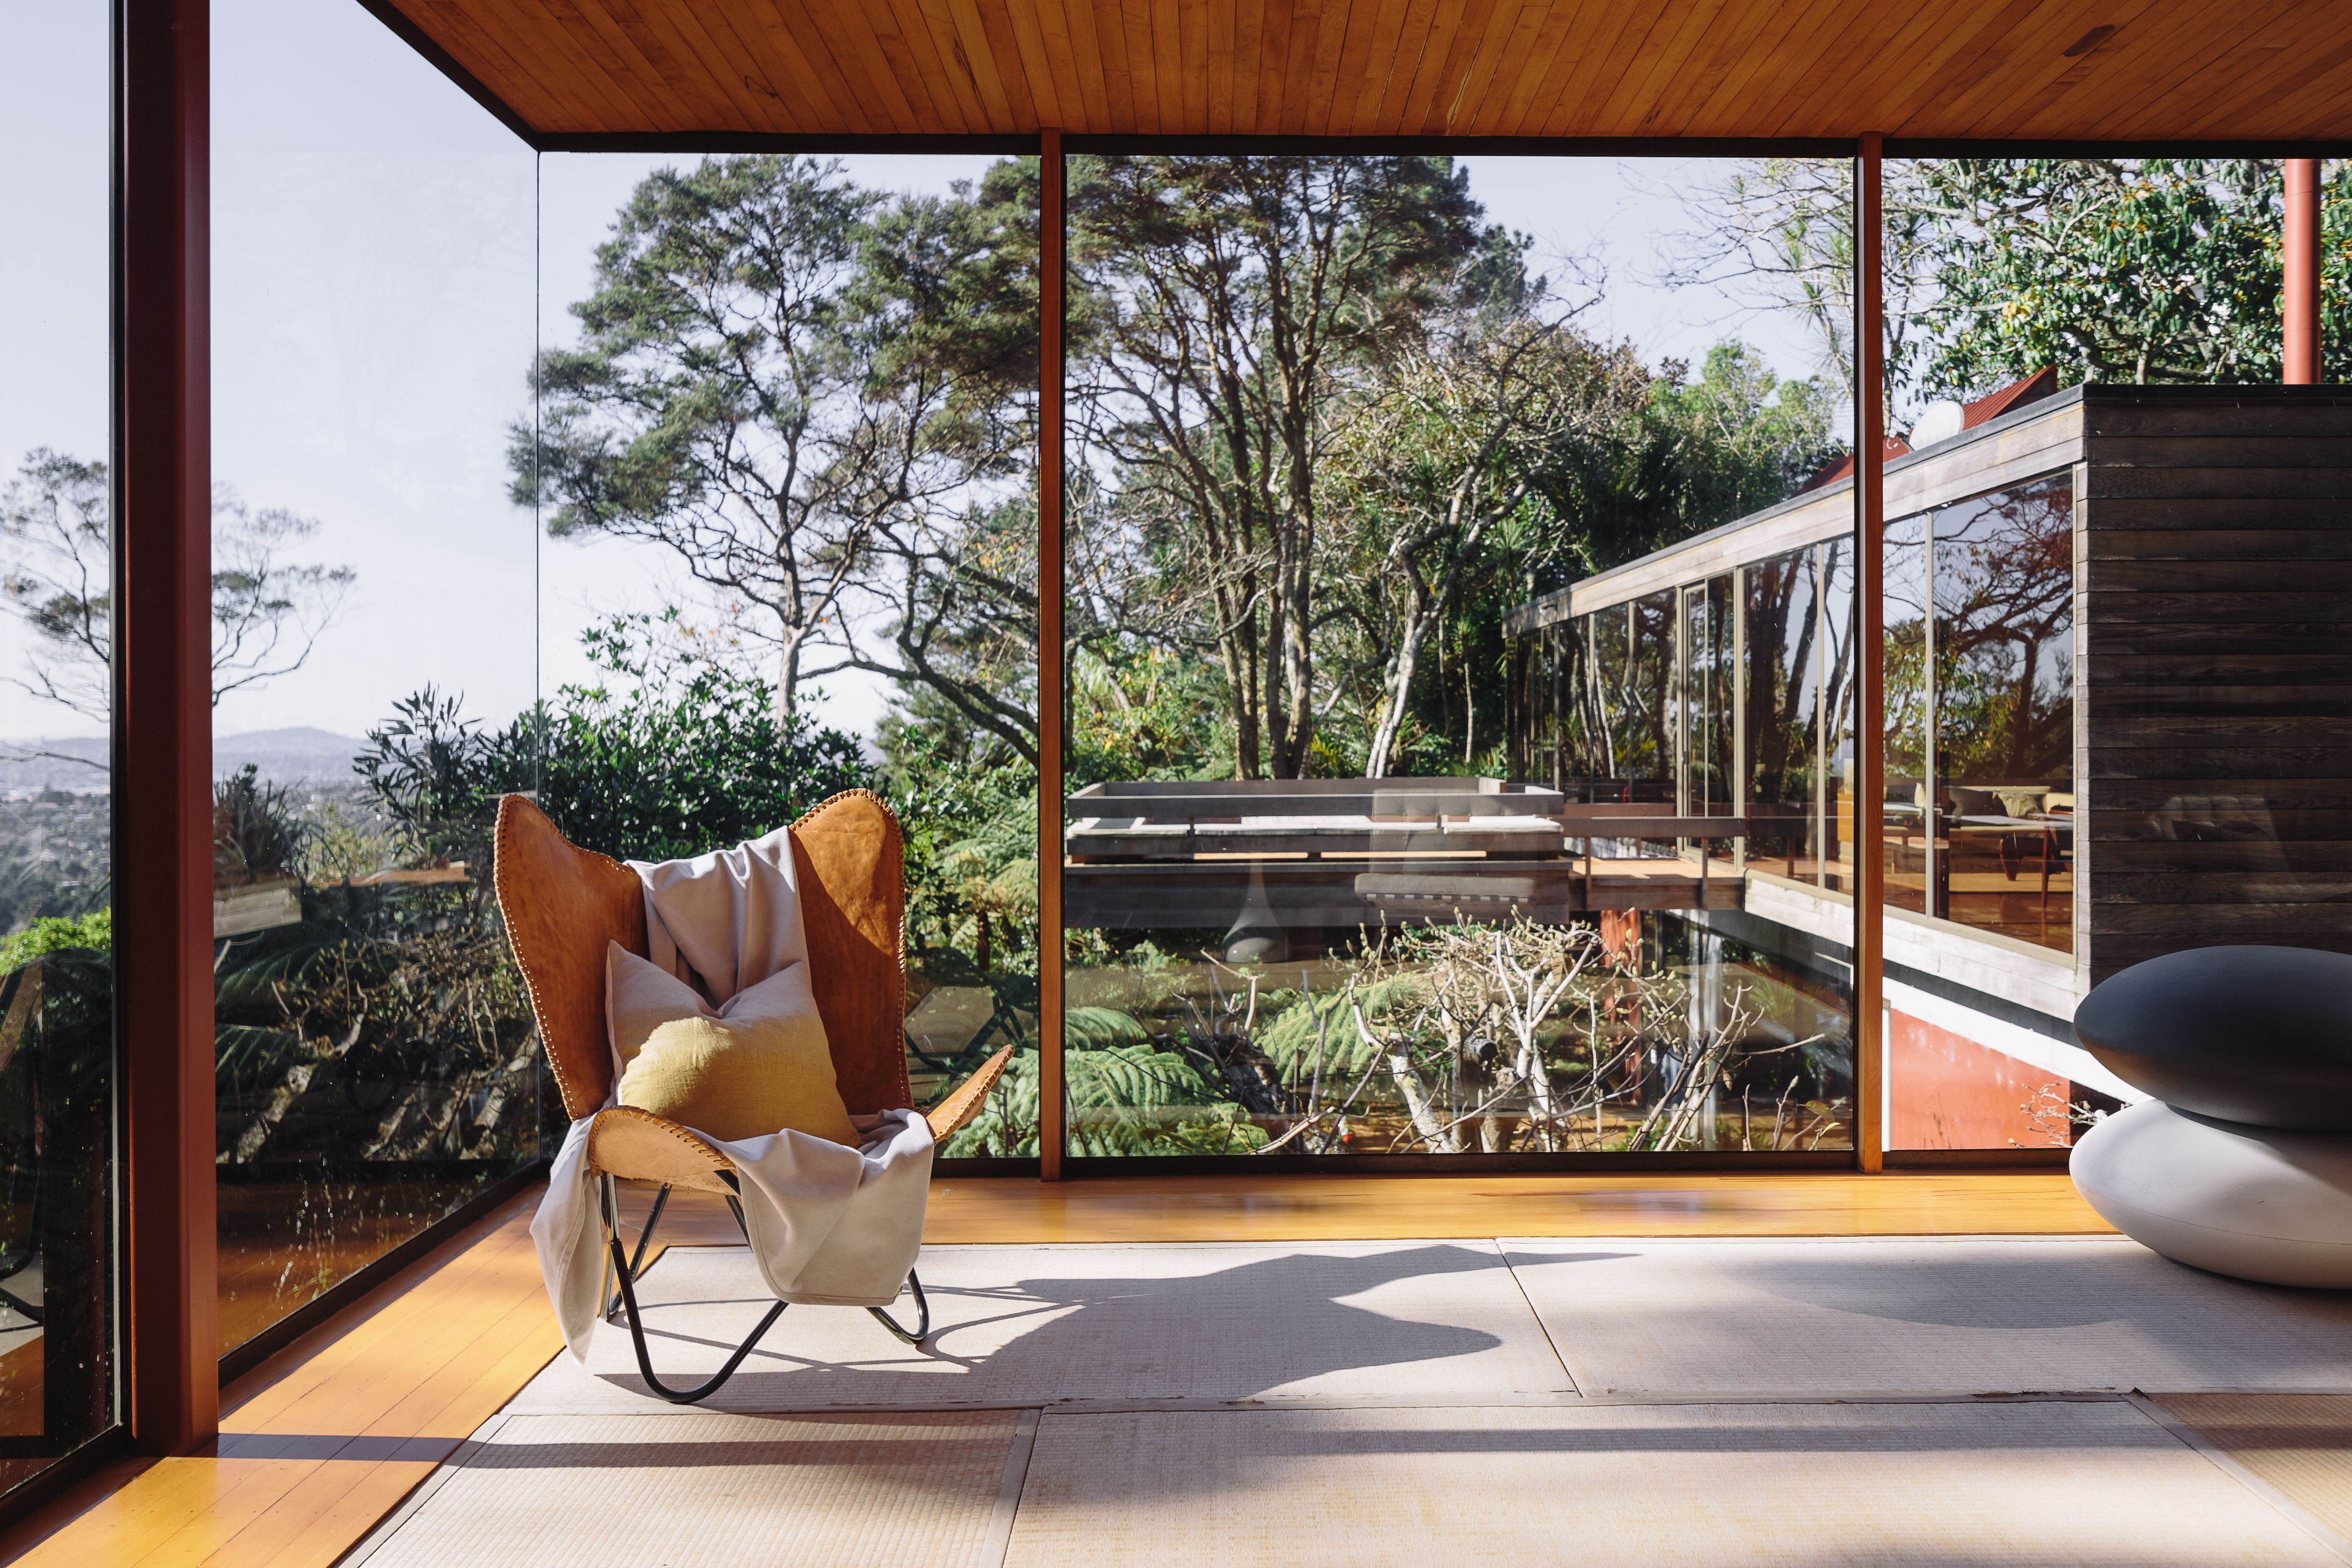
[[92, 932]]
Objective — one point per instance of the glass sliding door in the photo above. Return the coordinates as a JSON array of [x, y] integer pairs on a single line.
[[58, 1192], [1708, 709], [1840, 677]]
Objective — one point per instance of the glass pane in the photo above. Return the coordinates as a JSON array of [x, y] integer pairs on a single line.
[[374, 627], [1840, 680], [1984, 967], [2004, 756], [1710, 775], [833, 587], [1345, 774], [1783, 714], [1645, 755], [1910, 845], [56, 1021]]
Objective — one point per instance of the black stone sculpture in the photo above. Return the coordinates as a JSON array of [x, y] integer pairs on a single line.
[[2256, 1035]]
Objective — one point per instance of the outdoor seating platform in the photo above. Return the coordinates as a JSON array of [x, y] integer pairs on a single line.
[[1334, 893]]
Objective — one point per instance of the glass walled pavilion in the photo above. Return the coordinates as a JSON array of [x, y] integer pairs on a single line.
[[169, 1045]]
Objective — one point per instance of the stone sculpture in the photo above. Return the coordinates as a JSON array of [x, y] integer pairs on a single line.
[[2241, 1162]]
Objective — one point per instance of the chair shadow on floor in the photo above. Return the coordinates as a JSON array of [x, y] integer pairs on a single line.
[[1234, 1333]]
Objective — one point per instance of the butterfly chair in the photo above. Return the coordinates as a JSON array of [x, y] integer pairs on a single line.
[[562, 904]]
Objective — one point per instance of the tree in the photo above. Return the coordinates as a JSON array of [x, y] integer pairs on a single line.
[[948, 292], [1220, 303], [779, 380], [1596, 460], [268, 612], [2123, 269], [2134, 270], [1779, 234], [1440, 455]]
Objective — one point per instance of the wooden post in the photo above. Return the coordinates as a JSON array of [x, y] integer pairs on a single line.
[[1051, 660], [162, 724], [1869, 718], [2301, 301]]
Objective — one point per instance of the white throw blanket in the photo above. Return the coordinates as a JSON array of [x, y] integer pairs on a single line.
[[830, 1225]]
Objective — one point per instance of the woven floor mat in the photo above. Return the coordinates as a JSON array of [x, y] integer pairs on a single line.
[[2299, 1442], [1969, 1315], [712, 1490], [1034, 1325], [1917, 1484]]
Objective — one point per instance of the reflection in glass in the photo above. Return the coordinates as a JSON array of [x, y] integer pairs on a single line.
[[1710, 673], [1783, 696], [58, 1198], [1839, 681], [1910, 846], [374, 622], [2004, 706], [1646, 755]]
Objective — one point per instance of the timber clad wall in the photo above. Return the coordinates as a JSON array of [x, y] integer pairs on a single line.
[[2214, 580]]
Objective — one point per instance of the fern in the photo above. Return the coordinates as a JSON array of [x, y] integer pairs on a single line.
[[1100, 1028]]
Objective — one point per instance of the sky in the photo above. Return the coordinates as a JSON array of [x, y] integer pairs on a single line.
[[386, 257]]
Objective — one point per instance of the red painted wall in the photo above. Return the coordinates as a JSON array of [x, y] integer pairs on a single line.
[[1949, 1092]]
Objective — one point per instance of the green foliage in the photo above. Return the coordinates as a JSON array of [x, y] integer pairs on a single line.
[[257, 829], [1149, 713], [93, 932], [812, 394], [971, 831], [1006, 1126], [436, 776], [2132, 270], [689, 756], [1222, 305]]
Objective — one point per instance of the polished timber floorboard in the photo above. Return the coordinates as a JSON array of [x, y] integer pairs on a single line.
[[1417, 1361], [1374, 1208]]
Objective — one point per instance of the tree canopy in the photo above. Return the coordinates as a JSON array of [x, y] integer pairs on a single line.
[[2133, 271], [268, 611]]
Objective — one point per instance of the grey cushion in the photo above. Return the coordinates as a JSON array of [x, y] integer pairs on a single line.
[[2255, 1035]]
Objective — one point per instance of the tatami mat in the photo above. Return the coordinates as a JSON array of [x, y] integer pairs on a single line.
[[2300, 1444], [1972, 1315], [1934, 1483], [1036, 1325], [704, 1489]]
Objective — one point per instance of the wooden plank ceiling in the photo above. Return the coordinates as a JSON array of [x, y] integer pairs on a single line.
[[2055, 69]]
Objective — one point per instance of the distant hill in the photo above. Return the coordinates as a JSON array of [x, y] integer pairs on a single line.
[[299, 756]]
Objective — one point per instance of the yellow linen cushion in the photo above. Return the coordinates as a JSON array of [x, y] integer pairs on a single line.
[[758, 1064]]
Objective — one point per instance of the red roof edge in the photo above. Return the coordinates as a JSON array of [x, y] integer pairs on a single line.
[[1843, 468], [2016, 395]]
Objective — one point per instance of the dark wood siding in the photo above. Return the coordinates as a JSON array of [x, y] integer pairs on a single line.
[[2215, 574]]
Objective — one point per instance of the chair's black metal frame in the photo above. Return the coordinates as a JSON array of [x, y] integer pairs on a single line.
[[628, 1270]]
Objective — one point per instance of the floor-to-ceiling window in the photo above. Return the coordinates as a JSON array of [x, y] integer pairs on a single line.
[[375, 657], [57, 1035], [1350, 866], [2012, 746], [784, 475]]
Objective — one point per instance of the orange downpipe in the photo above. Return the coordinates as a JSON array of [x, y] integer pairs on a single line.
[[2302, 272]]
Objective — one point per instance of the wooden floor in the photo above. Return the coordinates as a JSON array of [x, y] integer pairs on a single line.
[[1372, 1208], [322, 1441]]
